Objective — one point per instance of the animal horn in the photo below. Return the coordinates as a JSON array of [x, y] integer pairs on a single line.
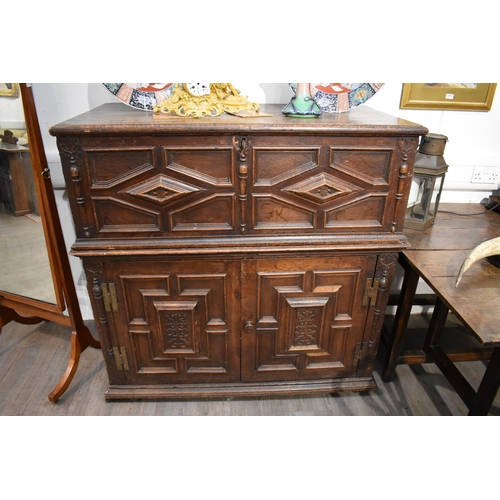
[[485, 249]]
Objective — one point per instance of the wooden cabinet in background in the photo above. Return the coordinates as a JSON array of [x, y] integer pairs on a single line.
[[228, 256], [17, 194]]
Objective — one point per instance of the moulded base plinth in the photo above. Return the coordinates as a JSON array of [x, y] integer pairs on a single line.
[[120, 392]]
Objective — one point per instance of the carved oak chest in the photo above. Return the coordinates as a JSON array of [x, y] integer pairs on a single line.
[[228, 256]]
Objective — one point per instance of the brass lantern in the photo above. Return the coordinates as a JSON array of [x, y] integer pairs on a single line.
[[427, 183]]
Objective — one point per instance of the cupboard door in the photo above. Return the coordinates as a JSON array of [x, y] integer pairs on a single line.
[[177, 320], [302, 318]]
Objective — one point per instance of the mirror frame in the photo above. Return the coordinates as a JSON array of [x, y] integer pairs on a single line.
[[66, 311]]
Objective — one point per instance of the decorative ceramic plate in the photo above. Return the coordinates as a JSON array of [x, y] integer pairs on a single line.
[[143, 96], [339, 97]]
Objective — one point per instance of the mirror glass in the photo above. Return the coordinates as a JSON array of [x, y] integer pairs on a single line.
[[24, 262]]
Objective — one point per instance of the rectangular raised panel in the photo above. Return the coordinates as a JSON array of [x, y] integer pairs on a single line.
[[370, 166], [274, 213], [118, 216], [177, 326], [305, 323], [274, 165], [108, 167], [214, 213], [210, 165], [366, 212]]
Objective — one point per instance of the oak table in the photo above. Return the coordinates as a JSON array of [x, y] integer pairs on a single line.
[[435, 255]]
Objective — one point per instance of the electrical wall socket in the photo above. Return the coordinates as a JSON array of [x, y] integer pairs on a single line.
[[486, 175]]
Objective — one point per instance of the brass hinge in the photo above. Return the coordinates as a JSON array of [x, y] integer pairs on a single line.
[[359, 352], [109, 297], [121, 360], [371, 291]]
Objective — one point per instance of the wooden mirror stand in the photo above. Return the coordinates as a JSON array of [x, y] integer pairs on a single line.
[[27, 310]]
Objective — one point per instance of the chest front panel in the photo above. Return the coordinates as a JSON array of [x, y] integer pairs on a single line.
[[233, 185]]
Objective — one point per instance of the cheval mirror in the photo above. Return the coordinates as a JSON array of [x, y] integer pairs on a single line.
[[36, 283]]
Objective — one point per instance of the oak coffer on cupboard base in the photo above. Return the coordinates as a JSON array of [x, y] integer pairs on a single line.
[[235, 257]]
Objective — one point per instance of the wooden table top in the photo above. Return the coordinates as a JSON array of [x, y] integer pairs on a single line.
[[437, 254]]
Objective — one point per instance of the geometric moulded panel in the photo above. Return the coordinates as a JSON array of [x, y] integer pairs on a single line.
[[322, 188], [307, 316], [303, 333], [178, 324], [303, 324], [161, 189]]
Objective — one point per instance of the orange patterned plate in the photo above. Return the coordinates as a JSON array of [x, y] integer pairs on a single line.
[[143, 96], [340, 97]]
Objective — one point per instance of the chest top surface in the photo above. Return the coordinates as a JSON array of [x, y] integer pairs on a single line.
[[117, 119]]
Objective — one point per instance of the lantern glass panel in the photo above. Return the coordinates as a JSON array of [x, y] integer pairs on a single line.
[[423, 200], [436, 194]]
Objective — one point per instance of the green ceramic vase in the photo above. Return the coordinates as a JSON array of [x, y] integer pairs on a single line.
[[302, 104]]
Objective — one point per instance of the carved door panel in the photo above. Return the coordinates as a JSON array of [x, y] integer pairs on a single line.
[[177, 321], [303, 318]]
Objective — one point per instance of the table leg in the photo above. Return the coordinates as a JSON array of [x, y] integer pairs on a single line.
[[478, 402], [437, 324], [395, 344], [488, 387]]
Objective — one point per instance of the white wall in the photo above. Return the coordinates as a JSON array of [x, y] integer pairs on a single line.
[[11, 113], [473, 141]]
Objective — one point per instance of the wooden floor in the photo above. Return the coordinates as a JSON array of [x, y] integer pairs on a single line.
[[24, 258], [33, 358]]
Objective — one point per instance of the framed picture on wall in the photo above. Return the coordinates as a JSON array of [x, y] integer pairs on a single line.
[[448, 96], [9, 89]]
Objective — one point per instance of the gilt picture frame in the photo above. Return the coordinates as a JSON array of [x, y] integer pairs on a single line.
[[448, 96], [9, 89]]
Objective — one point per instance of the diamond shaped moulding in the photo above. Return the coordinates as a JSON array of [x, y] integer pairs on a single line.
[[322, 188], [161, 189]]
